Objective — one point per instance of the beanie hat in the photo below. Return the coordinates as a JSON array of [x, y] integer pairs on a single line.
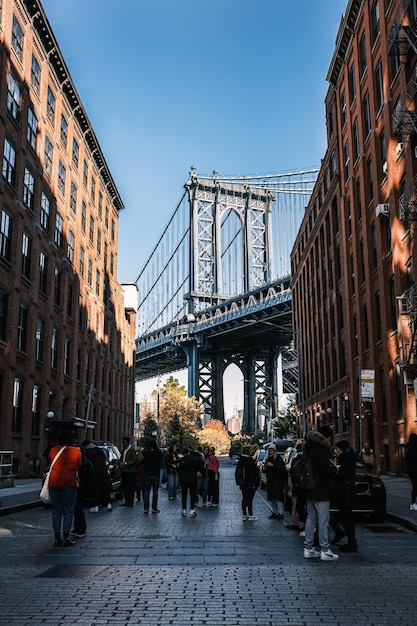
[[342, 445], [326, 431]]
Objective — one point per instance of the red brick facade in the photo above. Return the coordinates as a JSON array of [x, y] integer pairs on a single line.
[[353, 260], [66, 339]]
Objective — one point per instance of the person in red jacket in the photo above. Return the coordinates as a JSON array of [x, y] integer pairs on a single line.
[[63, 484]]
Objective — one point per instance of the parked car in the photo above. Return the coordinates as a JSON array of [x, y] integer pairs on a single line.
[[113, 455], [370, 494]]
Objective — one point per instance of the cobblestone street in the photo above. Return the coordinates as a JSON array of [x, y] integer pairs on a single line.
[[214, 569]]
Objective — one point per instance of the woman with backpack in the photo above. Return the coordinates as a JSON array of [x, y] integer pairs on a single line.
[[248, 479]]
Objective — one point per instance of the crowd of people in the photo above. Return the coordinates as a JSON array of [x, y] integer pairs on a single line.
[[80, 473]]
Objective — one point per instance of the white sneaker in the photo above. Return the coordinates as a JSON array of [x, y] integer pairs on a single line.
[[109, 506], [302, 533], [192, 513], [94, 509], [252, 518], [244, 518], [328, 556], [413, 507], [184, 512], [311, 553]]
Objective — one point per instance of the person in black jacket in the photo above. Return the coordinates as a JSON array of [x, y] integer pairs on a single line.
[[152, 456], [276, 479], [343, 491], [190, 465], [411, 468], [318, 498], [248, 479]]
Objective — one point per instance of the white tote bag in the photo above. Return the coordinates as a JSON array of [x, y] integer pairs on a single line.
[[44, 492]]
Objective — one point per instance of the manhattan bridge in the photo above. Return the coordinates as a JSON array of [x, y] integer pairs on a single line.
[[215, 290]]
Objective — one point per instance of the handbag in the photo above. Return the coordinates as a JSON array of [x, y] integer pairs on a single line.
[[44, 492]]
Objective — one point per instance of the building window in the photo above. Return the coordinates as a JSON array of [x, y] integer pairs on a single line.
[[370, 180], [362, 262], [393, 304], [366, 115], [9, 163], [111, 263], [32, 130], [355, 140], [352, 274], [75, 152], [100, 204], [112, 230], [61, 178], [28, 189], [106, 217], [362, 54], [36, 410], [91, 230], [355, 336], [35, 75], [332, 164], [13, 98], [379, 86], [90, 272], [358, 200], [67, 357], [85, 173], [105, 255], [59, 230], [99, 241], [64, 130], [375, 21], [40, 338], [98, 282], [71, 247], [6, 235], [83, 215], [57, 287], [4, 301], [347, 160], [43, 272], [78, 364], [378, 317], [81, 268], [45, 211], [50, 106], [70, 296], [54, 348], [93, 190], [26, 255], [73, 197], [22, 328], [17, 406], [343, 112], [383, 148], [352, 83], [17, 39], [48, 156]]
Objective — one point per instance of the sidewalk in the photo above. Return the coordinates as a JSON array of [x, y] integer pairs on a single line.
[[25, 495]]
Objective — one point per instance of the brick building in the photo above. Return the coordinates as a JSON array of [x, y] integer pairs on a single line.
[[67, 336], [354, 294]]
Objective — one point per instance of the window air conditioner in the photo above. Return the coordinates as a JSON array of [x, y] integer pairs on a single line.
[[385, 168], [382, 210], [399, 148]]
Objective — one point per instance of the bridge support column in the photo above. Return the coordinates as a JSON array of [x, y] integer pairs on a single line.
[[192, 354], [249, 403]]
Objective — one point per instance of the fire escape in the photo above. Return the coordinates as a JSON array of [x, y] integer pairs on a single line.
[[402, 42]]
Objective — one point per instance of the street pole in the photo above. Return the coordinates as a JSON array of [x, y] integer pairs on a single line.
[[360, 406]]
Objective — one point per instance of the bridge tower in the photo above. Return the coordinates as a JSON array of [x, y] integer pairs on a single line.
[[230, 254]]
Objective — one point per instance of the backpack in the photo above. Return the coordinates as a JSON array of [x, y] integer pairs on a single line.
[[302, 472], [240, 474]]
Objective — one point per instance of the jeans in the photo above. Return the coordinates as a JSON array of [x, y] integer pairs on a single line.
[[172, 480], [202, 487], [318, 516], [277, 507], [151, 482], [63, 501]]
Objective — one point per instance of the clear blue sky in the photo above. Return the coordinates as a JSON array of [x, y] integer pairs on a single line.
[[232, 85]]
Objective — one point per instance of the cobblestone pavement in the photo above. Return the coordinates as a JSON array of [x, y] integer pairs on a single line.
[[215, 569]]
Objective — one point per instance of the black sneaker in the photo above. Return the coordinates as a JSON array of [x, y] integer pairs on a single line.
[[68, 543], [80, 535]]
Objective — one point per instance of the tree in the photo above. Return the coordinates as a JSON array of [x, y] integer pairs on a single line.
[[285, 423], [179, 415], [215, 434]]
